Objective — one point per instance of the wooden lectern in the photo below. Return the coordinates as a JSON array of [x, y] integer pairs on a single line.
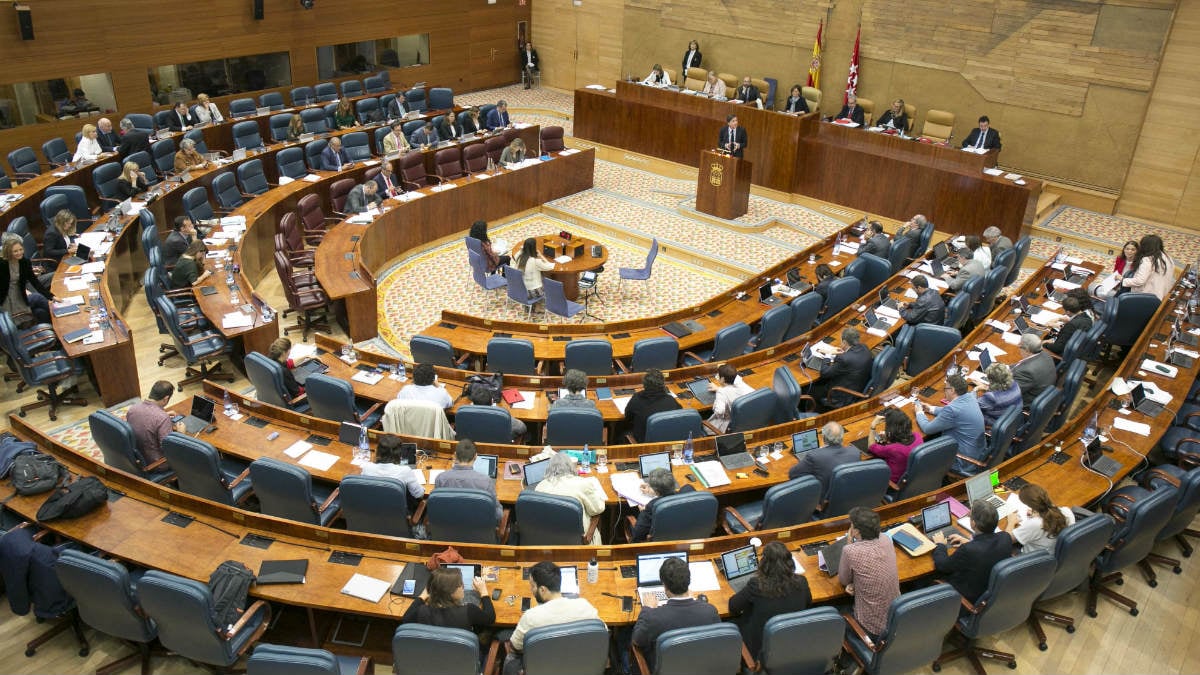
[[723, 185]]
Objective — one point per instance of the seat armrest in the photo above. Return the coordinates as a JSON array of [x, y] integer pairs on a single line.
[[893, 486], [971, 460], [715, 431], [805, 398], [365, 665], [491, 665], [369, 411], [329, 500], [630, 521], [621, 365], [240, 477], [748, 659], [851, 392], [693, 355], [502, 530], [591, 530], [258, 606], [462, 359], [643, 668], [419, 514], [860, 632], [156, 464], [729, 510], [298, 399]]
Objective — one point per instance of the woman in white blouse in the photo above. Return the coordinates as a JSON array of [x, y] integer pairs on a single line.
[[1037, 524], [562, 478], [1154, 271], [715, 86], [206, 111], [532, 263], [658, 77], [732, 388], [89, 148]]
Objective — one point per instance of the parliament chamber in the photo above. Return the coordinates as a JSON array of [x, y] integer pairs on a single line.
[[269, 478]]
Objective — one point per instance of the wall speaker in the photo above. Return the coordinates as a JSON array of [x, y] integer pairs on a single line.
[[24, 20], [258, 10]]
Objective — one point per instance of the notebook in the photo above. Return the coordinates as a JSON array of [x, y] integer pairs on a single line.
[[310, 367], [365, 588], [648, 582], [738, 566], [731, 451], [650, 462], [282, 572]]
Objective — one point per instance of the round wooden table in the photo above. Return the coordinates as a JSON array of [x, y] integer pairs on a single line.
[[580, 251]]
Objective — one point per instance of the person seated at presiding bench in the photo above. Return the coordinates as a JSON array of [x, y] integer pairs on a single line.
[[868, 570], [481, 395], [796, 104], [659, 483], [389, 464], [575, 382], [653, 398], [545, 585], [333, 157], [425, 387], [363, 198], [970, 568], [894, 117], [562, 478], [150, 421], [821, 462], [851, 111], [681, 610], [441, 603], [713, 86], [984, 137], [960, 419], [462, 473], [774, 589], [929, 307], [657, 77], [748, 93]]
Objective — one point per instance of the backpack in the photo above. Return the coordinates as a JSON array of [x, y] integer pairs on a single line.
[[230, 585], [10, 447], [34, 473], [74, 500], [493, 383]]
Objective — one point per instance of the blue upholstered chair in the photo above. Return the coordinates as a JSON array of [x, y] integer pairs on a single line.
[[202, 472], [376, 505], [287, 491], [789, 503], [917, 622]]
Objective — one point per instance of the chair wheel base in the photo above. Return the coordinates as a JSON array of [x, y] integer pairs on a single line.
[[1070, 629], [1092, 613], [1133, 612], [30, 652], [1153, 583], [1177, 570], [85, 651], [1012, 665], [937, 668], [1042, 646]]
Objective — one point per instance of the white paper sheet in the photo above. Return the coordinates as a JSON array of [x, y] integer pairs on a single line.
[[1129, 425], [628, 485], [366, 588], [367, 377], [620, 402], [321, 461], [528, 399], [704, 577], [298, 448], [237, 320], [433, 475]]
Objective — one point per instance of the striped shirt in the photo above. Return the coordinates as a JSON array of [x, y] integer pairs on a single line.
[[870, 564]]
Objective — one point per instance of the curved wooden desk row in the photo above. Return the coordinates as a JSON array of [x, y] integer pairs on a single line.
[[131, 528], [800, 154]]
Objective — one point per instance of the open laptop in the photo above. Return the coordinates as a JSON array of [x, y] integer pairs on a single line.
[[811, 359], [1053, 293], [937, 519], [468, 572], [979, 487], [82, 254], [985, 359], [804, 441], [937, 268], [1094, 459], [766, 296], [875, 321], [648, 582], [535, 471], [886, 299], [648, 463], [201, 415], [1143, 403], [486, 465], [1023, 328], [309, 367], [738, 566], [699, 389], [731, 451], [941, 250]]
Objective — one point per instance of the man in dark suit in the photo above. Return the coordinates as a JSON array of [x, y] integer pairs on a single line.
[[1079, 321], [106, 136], [732, 138], [851, 111], [680, 610], [747, 93], [851, 369], [529, 63], [333, 157], [396, 108], [877, 242], [426, 135], [984, 137], [180, 118], [971, 565], [1035, 371], [448, 128], [498, 117], [929, 307], [363, 197], [389, 184], [821, 462], [182, 234], [132, 140]]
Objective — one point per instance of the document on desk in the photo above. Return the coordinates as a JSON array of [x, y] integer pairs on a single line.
[[284, 180], [704, 577], [321, 461], [563, 259], [433, 475], [301, 351], [1129, 425], [993, 171], [621, 402], [628, 486], [298, 448], [360, 219], [92, 267], [237, 320], [311, 178], [367, 377], [526, 402], [366, 588], [711, 473]]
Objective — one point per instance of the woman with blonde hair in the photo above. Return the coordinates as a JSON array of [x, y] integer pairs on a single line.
[[132, 181], [188, 157], [514, 153], [714, 86], [57, 243], [343, 116], [89, 147], [1037, 525], [295, 128], [17, 274], [206, 111], [999, 395]]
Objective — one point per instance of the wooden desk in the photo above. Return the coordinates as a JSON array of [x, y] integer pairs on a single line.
[[800, 154], [568, 273], [351, 256]]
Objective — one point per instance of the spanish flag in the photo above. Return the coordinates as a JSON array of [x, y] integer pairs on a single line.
[[814, 66]]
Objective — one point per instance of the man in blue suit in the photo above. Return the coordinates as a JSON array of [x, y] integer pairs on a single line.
[[498, 116], [333, 157]]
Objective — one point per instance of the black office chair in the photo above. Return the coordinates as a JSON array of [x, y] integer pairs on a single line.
[[730, 341], [104, 598], [1074, 550], [551, 520], [461, 514], [788, 503], [1187, 481], [287, 491], [377, 505], [917, 622], [1014, 585], [270, 659]]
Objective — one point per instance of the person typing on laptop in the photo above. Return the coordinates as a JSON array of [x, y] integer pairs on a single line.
[[441, 603], [822, 461], [389, 464], [774, 589], [462, 473], [927, 308], [731, 388], [868, 571], [970, 567], [150, 421], [680, 610]]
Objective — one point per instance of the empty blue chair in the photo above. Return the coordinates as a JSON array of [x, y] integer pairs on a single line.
[[511, 356], [290, 163], [1022, 250], [56, 152], [141, 122], [375, 504], [927, 466], [801, 643], [643, 273], [856, 484], [441, 98], [774, 326], [314, 120], [302, 96], [461, 514], [368, 110], [715, 649], [373, 84], [287, 491], [202, 472], [571, 648], [842, 292], [557, 302], [272, 100], [242, 107], [325, 91], [1075, 548], [870, 270], [957, 311], [162, 119], [434, 351], [352, 88], [333, 399], [787, 396], [593, 357], [196, 205], [789, 503], [245, 135], [752, 411], [105, 178], [930, 344], [656, 352], [357, 146], [104, 597], [226, 192], [993, 283], [288, 660], [419, 649], [414, 99], [487, 282], [673, 425], [253, 180], [484, 424], [24, 163], [279, 126], [805, 310], [729, 342]]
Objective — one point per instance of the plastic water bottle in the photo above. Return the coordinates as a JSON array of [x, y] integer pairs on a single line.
[[952, 369], [585, 464], [593, 571], [1090, 431], [401, 372], [228, 275], [688, 450], [364, 449], [228, 405]]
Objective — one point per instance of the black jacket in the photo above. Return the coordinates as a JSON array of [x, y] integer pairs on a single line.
[[641, 406], [969, 569], [798, 106], [752, 609], [108, 141], [54, 245], [174, 123], [675, 613], [1080, 321], [929, 307], [851, 369], [27, 279], [856, 116], [27, 568], [133, 141]]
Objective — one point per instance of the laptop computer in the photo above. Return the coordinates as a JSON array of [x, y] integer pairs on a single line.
[[1143, 403], [937, 519], [650, 462], [937, 268], [699, 389], [1023, 328], [738, 566], [309, 367], [201, 415], [486, 465], [875, 321], [349, 433], [985, 359], [941, 250], [810, 359], [648, 582], [886, 299], [535, 471], [1094, 459], [766, 296], [731, 451], [796, 282], [83, 253], [979, 487], [468, 572], [1053, 293], [677, 329], [803, 441]]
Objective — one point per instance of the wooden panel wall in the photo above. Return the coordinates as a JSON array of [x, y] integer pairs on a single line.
[[1164, 178], [472, 44], [1066, 82], [579, 44]]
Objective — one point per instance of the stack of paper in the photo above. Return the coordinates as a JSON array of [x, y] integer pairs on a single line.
[[527, 401], [628, 486], [298, 448], [366, 588], [621, 402], [237, 320], [367, 377], [711, 473]]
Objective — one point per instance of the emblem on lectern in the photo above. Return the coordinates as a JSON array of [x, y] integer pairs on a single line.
[[716, 174]]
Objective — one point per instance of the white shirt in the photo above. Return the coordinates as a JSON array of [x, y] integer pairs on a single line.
[[88, 149], [984, 255], [208, 113], [399, 472], [533, 273], [425, 392], [666, 79], [723, 402], [1030, 535], [558, 610]]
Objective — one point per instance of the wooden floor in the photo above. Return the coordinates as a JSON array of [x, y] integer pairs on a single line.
[[1165, 638]]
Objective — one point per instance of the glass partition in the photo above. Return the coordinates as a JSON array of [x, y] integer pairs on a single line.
[[61, 98], [356, 58], [219, 77]]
